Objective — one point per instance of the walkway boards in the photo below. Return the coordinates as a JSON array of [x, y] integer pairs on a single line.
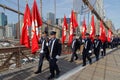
[[28, 73], [107, 68]]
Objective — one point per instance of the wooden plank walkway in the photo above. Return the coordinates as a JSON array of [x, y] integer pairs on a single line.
[[107, 68], [26, 73]]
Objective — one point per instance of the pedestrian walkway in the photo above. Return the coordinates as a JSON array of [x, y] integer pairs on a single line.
[[107, 68]]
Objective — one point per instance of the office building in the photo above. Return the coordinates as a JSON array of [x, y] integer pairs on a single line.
[[51, 18]]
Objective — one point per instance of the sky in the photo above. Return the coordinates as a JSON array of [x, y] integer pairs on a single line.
[[112, 11], [63, 7]]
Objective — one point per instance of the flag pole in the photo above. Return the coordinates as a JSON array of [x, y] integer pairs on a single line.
[[26, 1], [55, 9], [18, 28], [18, 37], [41, 17], [41, 8]]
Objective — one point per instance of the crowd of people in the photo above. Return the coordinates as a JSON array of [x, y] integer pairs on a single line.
[[115, 41], [51, 49], [96, 47]]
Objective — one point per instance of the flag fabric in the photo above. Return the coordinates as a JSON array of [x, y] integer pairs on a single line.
[[64, 30], [73, 25], [92, 32], [74, 20], [36, 22], [102, 32], [109, 35], [83, 29], [24, 40], [70, 34]]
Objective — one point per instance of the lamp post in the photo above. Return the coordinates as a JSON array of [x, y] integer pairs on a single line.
[[55, 9], [18, 28]]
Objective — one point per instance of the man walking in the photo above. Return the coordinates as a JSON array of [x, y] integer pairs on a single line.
[[74, 48], [55, 51], [44, 52], [104, 46], [97, 46], [87, 49]]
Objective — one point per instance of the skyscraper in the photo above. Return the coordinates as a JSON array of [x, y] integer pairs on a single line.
[[100, 8], [1, 32], [77, 5], [9, 31], [3, 23], [3, 19], [51, 18]]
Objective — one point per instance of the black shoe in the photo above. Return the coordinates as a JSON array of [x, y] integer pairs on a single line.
[[84, 65], [50, 77], [97, 59], [76, 58], [37, 72], [58, 73], [90, 62], [71, 61]]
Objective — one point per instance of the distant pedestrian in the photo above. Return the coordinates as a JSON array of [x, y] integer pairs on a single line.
[[74, 47], [103, 49], [97, 44], [87, 49]]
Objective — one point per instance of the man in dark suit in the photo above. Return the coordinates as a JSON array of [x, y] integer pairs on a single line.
[[87, 49], [44, 52], [55, 51], [104, 46], [74, 47], [97, 46]]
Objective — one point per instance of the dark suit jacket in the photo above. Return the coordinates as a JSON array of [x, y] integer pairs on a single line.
[[97, 44], [45, 46], [74, 45], [87, 46], [56, 48]]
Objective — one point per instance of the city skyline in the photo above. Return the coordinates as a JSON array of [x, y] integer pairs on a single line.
[[63, 7]]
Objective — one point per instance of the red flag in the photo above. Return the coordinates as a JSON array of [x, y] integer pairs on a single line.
[[26, 23], [64, 30], [73, 25], [109, 35], [92, 32], [83, 29], [73, 20], [36, 18], [102, 32], [36, 22]]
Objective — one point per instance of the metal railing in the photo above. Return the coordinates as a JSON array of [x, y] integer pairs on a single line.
[[15, 57]]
